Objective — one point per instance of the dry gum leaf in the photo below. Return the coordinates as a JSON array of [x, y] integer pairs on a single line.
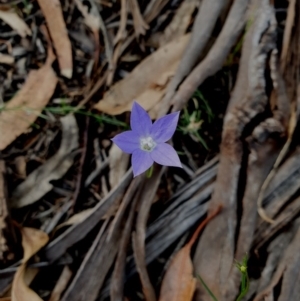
[[4, 212], [32, 241], [140, 25], [15, 22], [179, 283], [76, 218], [91, 19], [59, 34], [118, 163], [6, 59], [179, 288], [37, 183], [147, 82], [61, 284], [26, 106], [178, 26]]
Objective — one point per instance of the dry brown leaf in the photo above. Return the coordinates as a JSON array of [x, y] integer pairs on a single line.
[[6, 59], [181, 20], [121, 34], [21, 166], [179, 283], [59, 34], [32, 241], [91, 19], [140, 25], [37, 184], [20, 112], [61, 284], [289, 23], [3, 212], [15, 22], [118, 163], [179, 288], [179, 24], [144, 83], [76, 218], [29, 275]]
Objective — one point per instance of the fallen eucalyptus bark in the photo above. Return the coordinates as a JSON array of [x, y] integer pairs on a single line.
[[205, 22], [77, 232], [215, 252], [253, 146], [190, 204]]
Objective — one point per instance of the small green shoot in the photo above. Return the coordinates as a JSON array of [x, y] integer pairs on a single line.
[[194, 116], [243, 268], [204, 106]]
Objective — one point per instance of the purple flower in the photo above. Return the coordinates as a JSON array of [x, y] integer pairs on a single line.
[[146, 141]]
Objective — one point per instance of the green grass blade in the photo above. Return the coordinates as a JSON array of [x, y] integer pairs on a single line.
[[207, 288]]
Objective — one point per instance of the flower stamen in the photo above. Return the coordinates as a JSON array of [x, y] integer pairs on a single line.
[[147, 144]]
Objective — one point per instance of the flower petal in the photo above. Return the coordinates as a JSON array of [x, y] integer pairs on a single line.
[[140, 121], [140, 161], [163, 128], [165, 154], [127, 141]]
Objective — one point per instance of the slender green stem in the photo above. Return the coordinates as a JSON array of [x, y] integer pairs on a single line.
[[67, 109], [245, 278], [150, 172], [244, 290], [207, 289]]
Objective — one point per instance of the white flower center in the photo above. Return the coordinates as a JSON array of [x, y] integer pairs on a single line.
[[147, 144]]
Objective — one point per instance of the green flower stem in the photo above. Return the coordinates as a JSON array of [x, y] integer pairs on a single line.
[[150, 172]]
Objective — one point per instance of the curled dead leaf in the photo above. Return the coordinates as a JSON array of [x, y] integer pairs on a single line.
[[32, 241]]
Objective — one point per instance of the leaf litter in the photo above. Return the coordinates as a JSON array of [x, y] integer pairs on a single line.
[[15, 22], [37, 184], [28, 103], [32, 241], [147, 90], [58, 32], [61, 173], [179, 282]]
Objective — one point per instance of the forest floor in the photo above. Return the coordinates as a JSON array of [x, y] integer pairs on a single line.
[[75, 224]]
